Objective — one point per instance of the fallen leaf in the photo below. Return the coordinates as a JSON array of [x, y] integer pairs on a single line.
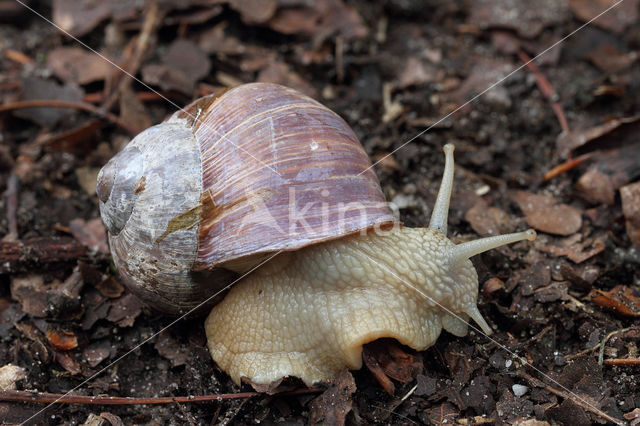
[[612, 130], [443, 414], [78, 141], [633, 416], [78, 65], [630, 196], [62, 339], [581, 277], [544, 213], [484, 73], [616, 20], [333, 405], [611, 60], [385, 358], [414, 73], [254, 11], [386, 162], [272, 388], [182, 66], [321, 19], [488, 221], [125, 310], [491, 286], [133, 111], [90, 233], [612, 171], [519, 16], [88, 178], [216, 42], [568, 413], [67, 362], [551, 293], [78, 18], [112, 419], [110, 287], [95, 353], [575, 250], [39, 350], [37, 89], [169, 348], [620, 299], [9, 375], [280, 73], [536, 276], [30, 291]]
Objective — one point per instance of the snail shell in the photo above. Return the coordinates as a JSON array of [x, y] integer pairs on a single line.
[[192, 202]]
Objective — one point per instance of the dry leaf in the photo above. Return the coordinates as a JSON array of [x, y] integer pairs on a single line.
[[619, 299], [335, 403], [62, 339], [544, 213]]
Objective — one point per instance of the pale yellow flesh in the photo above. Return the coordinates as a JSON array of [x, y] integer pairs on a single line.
[[308, 313]]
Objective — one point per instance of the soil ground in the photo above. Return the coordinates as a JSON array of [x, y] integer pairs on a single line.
[[392, 70]]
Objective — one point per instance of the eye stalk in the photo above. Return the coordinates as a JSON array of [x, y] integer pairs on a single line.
[[116, 188]]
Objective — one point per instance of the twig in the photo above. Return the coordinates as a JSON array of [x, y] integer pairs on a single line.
[[567, 165], [152, 18], [16, 256], [535, 382], [17, 56], [97, 97], [586, 351], [546, 89], [45, 397], [82, 106], [604, 342]]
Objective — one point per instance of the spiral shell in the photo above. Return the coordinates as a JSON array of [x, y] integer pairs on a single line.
[[193, 202]]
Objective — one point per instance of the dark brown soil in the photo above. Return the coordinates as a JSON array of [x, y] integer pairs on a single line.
[[64, 315]]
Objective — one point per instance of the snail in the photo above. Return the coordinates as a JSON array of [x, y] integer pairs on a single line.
[[263, 179]]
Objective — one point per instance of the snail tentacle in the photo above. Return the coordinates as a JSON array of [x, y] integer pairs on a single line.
[[440, 212], [464, 251]]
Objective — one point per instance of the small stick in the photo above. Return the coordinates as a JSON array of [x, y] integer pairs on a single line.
[[45, 397], [547, 90], [535, 382], [586, 351], [18, 256], [17, 56], [604, 342], [152, 18], [82, 106], [97, 97], [567, 165]]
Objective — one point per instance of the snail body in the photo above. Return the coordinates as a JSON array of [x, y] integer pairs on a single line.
[[265, 178]]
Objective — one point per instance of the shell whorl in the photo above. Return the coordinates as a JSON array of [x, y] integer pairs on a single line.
[[280, 171]]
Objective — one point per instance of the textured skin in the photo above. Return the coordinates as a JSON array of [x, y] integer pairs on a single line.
[[308, 314]]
